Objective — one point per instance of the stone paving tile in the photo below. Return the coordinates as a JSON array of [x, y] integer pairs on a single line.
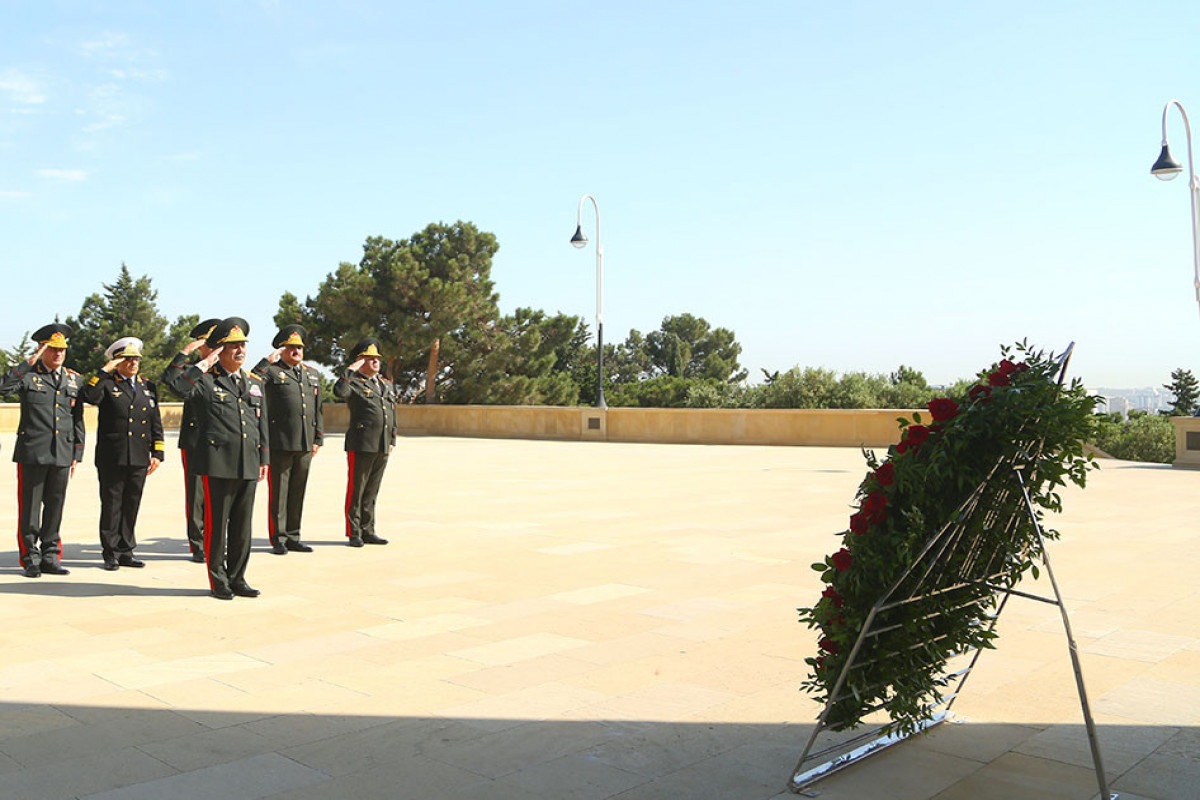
[[1152, 701], [107, 735], [394, 739], [573, 777], [599, 594], [519, 649], [517, 747], [249, 779], [1122, 746], [81, 776], [1016, 775], [1138, 645]]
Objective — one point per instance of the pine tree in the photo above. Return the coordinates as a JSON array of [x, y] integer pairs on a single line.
[[126, 308], [1186, 391]]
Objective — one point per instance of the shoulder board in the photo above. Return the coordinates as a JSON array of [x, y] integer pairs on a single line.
[[255, 376], [70, 371], [92, 381]]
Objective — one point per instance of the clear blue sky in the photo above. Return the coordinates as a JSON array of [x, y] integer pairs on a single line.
[[852, 185]]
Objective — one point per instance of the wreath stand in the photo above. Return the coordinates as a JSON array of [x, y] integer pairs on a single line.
[[950, 565]]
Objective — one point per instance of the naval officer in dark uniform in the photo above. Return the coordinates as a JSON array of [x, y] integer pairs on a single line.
[[129, 446], [231, 453], [369, 440], [294, 411], [50, 438], [193, 488]]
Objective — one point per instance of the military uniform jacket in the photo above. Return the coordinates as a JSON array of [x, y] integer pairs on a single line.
[[51, 430], [232, 433], [189, 427], [130, 430], [294, 405], [372, 405]]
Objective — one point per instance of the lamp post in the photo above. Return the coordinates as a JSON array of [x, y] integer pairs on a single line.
[[1166, 168], [580, 241]]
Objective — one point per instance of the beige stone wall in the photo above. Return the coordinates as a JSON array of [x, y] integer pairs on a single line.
[[814, 427], [1188, 457]]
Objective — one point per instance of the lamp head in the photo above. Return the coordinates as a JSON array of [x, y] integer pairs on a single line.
[[1166, 167], [579, 240]]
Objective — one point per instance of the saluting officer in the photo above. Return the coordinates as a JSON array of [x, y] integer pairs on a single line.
[[369, 440], [294, 408], [231, 453], [129, 446], [188, 433], [50, 439]]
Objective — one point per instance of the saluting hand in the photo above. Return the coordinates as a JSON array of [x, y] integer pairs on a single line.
[[33, 359], [110, 366], [192, 346], [205, 364], [357, 365], [274, 355]]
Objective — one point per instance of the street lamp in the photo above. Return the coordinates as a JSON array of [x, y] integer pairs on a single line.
[[1166, 168], [580, 241]]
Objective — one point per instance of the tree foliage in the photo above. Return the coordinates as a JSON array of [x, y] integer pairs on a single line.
[[686, 346], [1185, 390], [1141, 437], [126, 307], [426, 298]]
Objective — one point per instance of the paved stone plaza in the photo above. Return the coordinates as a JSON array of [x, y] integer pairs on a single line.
[[571, 620]]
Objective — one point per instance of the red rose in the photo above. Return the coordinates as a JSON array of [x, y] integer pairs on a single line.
[[998, 378], [821, 662], [874, 506], [1022, 367], [828, 645], [1007, 367], [833, 595], [942, 409], [917, 434], [842, 560], [901, 448], [858, 523], [979, 392], [885, 474]]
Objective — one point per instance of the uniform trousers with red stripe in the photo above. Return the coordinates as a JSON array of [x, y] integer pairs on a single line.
[[41, 491], [193, 498], [120, 499], [228, 512], [364, 477], [287, 478]]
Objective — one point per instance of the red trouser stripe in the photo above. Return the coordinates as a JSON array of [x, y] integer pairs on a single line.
[[21, 510], [270, 505], [207, 530], [349, 491]]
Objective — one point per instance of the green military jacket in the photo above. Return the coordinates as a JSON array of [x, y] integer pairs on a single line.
[[372, 403], [294, 405], [233, 437], [130, 430], [51, 431], [189, 427]]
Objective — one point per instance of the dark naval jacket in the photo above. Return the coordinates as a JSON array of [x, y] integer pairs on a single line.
[[130, 428], [189, 427], [232, 433], [372, 403], [51, 430], [294, 405]]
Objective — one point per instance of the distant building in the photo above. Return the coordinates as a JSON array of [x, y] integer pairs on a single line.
[[1122, 401]]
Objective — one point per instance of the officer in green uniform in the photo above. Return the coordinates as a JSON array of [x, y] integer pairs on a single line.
[[193, 488], [294, 408], [369, 440], [231, 452], [50, 439], [129, 446]]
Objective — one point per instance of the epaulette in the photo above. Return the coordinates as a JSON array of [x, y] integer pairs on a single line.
[[254, 375], [92, 381], [69, 371]]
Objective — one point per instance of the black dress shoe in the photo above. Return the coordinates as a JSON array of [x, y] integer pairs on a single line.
[[279, 549], [55, 569], [111, 564], [371, 538], [298, 547], [198, 557], [222, 594], [354, 541], [33, 571], [127, 560], [244, 589]]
